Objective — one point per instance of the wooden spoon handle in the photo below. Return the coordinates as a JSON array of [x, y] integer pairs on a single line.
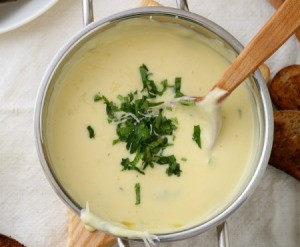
[[273, 34]]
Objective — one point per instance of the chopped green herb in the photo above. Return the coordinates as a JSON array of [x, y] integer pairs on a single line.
[[169, 108], [144, 74], [111, 109], [116, 141], [240, 112], [137, 188], [132, 165], [178, 93], [148, 84], [174, 167], [196, 135], [145, 131], [97, 97], [174, 120], [120, 97], [165, 85], [152, 104], [209, 161], [187, 102], [91, 132], [184, 159]]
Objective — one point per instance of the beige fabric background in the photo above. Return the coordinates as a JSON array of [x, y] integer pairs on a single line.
[[29, 209]]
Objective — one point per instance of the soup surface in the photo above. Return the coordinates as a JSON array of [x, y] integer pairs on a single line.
[[90, 168]]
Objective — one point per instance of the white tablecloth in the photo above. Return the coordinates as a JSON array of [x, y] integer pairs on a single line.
[[31, 212]]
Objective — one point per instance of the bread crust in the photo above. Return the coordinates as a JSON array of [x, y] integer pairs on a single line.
[[286, 146], [285, 88], [9, 242]]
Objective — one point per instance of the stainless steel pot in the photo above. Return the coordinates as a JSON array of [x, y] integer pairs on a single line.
[[181, 16]]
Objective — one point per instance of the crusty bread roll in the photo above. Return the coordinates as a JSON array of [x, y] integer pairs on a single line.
[[9, 242], [5, 1], [285, 88], [286, 146]]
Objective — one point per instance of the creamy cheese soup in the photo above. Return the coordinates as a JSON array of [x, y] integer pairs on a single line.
[[89, 169]]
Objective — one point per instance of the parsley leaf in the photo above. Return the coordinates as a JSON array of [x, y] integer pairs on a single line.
[[196, 135], [91, 132], [149, 85], [144, 74], [174, 167], [131, 165], [165, 86], [97, 97], [111, 109]]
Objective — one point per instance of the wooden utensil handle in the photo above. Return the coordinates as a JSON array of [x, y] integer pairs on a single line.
[[274, 33]]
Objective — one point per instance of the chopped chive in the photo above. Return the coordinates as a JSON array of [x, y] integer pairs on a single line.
[[178, 93], [137, 188], [91, 132], [152, 104], [187, 102], [184, 159], [196, 135]]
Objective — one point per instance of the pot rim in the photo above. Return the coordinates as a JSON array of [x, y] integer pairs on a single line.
[[211, 26]]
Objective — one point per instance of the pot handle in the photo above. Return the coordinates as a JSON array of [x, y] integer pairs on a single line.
[[183, 5], [87, 12], [123, 242], [222, 234]]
